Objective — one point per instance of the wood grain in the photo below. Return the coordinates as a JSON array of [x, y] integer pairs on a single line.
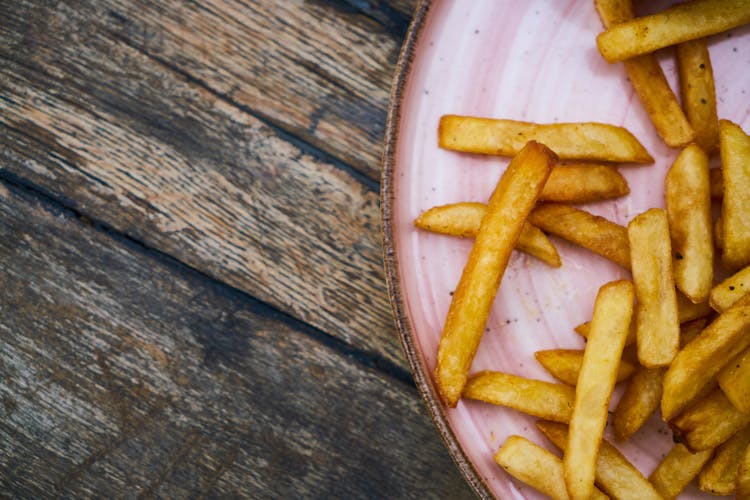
[[319, 72], [118, 136], [125, 373]]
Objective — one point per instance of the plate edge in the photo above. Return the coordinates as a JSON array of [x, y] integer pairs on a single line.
[[387, 195]]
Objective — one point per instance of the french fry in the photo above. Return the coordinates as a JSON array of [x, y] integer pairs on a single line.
[[613, 310], [734, 380], [584, 182], [535, 466], [657, 325], [730, 290], [649, 82], [709, 422], [743, 477], [613, 12], [688, 201], [639, 401], [698, 92], [584, 328], [688, 311], [463, 220], [571, 141], [690, 330], [617, 477], [677, 469], [515, 195], [643, 393], [698, 362], [577, 226], [455, 219], [534, 242], [565, 364], [734, 145], [677, 24], [717, 183], [582, 228], [719, 476], [657, 98], [570, 183], [533, 397]]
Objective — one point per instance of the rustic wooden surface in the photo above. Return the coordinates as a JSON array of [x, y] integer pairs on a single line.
[[192, 300]]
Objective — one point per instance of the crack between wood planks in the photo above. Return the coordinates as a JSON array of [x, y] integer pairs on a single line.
[[190, 441], [67, 208], [301, 144]]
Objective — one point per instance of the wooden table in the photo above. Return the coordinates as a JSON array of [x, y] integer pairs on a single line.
[[192, 299]]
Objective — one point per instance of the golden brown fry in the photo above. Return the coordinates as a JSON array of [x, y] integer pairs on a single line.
[[743, 477], [565, 364], [688, 311], [534, 397], [709, 422], [514, 196], [690, 330], [660, 103], [698, 92], [639, 401], [644, 390], [730, 290], [717, 183], [572, 141], [535, 466], [734, 380], [613, 12], [613, 310], [534, 242], [584, 328], [583, 182], [719, 476], [677, 469], [582, 228], [657, 323], [649, 82], [735, 208], [455, 219], [463, 220], [696, 365], [614, 474], [680, 23], [688, 200]]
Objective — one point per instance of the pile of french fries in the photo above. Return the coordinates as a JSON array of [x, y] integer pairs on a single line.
[[679, 339]]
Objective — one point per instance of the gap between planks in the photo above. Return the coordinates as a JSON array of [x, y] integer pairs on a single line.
[[371, 360], [289, 136]]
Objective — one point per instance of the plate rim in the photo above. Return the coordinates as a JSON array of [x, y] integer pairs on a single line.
[[421, 376]]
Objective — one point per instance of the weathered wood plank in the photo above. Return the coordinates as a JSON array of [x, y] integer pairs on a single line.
[[124, 373], [128, 142], [319, 72]]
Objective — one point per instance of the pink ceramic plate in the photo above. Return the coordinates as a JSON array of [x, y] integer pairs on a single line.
[[536, 61]]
